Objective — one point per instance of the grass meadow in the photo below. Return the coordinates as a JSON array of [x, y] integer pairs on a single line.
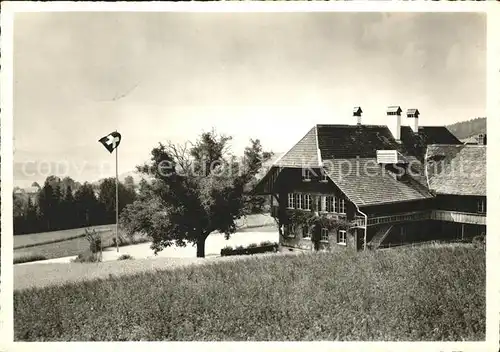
[[34, 239], [62, 248], [424, 293]]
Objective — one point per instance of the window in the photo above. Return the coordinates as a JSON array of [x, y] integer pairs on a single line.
[[306, 201], [306, 175], [340, 206], [341, 237], [330, 204], [481, 206], [324, 235], [305, 232], [298, 199]]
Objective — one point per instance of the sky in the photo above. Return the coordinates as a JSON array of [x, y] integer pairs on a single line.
[[158, 77]]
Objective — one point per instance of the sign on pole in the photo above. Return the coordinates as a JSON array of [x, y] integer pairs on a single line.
[[111, 142]]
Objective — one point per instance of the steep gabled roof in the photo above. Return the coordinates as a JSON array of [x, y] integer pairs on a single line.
[[363, 141], [365, 182], [342, 145], [457, 169], [304, 153]]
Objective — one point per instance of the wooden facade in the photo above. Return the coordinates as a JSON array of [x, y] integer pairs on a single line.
[[442, 217], [353, 181]]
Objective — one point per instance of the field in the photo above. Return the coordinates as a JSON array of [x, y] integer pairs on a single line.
[[67, 243], [22, 241], [63, 248], [425, 293]]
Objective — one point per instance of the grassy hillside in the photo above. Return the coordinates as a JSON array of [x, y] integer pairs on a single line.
[[431, 293], [468, 128]]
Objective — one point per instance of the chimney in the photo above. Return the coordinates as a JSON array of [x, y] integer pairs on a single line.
[[396, 112], [481, 139], [357, 112], [412, 114]]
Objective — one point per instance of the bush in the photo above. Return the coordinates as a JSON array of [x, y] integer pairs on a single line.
[[479, 241], [88, 257], [226, 250], [405, 294], [125, 257], [29, 258], [252, 248], [95, 240]]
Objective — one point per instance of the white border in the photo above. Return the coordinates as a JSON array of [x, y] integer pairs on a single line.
[[492, 254], [6, 96]]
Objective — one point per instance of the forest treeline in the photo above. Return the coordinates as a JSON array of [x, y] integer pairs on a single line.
[[468, 128], [66, 204]]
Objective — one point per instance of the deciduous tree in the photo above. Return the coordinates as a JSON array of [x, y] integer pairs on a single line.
[[196, 189]]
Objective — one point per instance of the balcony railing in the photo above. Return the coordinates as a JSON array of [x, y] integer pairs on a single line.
[[411, 216], [359, 221], [457, 216], [442, 215]]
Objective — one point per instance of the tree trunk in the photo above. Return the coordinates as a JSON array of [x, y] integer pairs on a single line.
[[200, 247]]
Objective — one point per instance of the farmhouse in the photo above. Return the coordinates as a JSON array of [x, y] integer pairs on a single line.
[[364, 186]]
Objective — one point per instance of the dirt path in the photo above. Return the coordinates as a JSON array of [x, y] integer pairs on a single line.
[[215, 242]]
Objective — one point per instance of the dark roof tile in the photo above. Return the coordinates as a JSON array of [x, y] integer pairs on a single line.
[[365, 182], [348, 141], [304, 153], [457, 169]]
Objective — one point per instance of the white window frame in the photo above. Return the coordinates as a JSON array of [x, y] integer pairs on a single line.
[[332, 209], [298, 201], [341, 208], [481, 206], [325, 235], [290, 201], [306, 201], [342, 237]]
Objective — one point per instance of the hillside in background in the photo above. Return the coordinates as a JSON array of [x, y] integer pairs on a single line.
[[470, 128]]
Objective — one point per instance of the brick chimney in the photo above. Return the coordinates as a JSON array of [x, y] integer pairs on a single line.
[[412, 114], [357, 112], [395, 114]]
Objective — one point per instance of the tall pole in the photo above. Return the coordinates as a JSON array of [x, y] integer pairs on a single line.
[[116, 186]]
